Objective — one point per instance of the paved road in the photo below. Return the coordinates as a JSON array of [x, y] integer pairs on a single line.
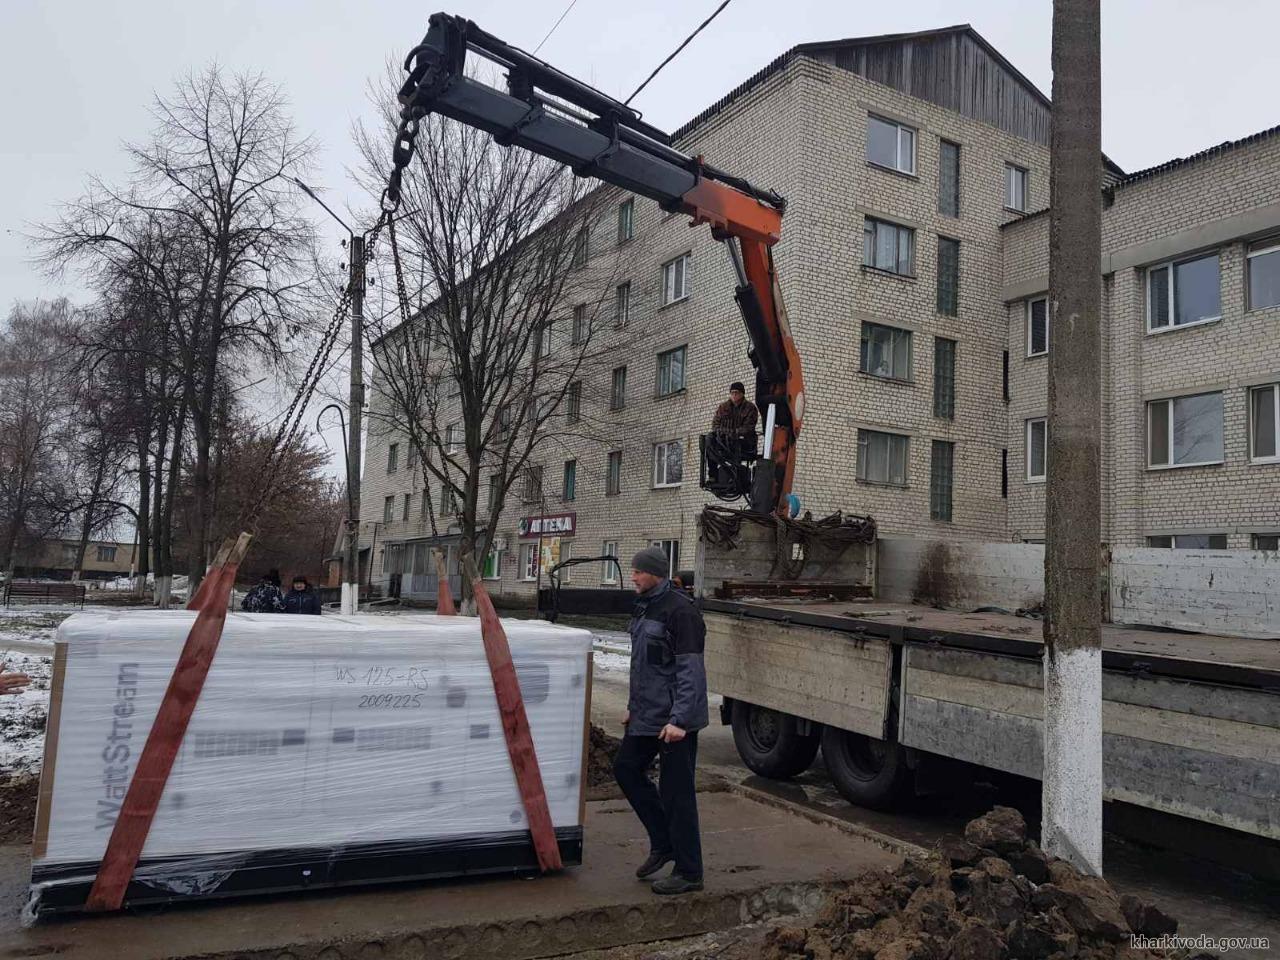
[[1208, 899]]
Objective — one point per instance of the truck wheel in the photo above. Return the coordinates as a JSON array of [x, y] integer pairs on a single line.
[[769, 743], [868, 772]]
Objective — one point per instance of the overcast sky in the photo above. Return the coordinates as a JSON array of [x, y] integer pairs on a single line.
[[78, 75]]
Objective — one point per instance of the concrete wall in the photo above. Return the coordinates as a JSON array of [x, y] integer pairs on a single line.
[[1233, 592], [960, 575]]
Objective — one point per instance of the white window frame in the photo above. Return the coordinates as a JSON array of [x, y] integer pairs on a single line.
[[622, 304], [1264, 248], [404, 507], [860, 467], [1031, 351], [497, 565], [618, 397], [388, 510], [1275, 406], [677, 268], [900, 128], [613, 456], [1010, 169], [1253, 540], [896, 334], [671, 548], [608, 572], [1169, 402], [573, 401], [106, 554], [581, 328], [1174, 537], [451, 442], [664, 448], [626, 219], [1171, 266], [393, 457], [1033, 477], [581, 246], [567, 495], [530, 557], [531, 484], [664, 360]]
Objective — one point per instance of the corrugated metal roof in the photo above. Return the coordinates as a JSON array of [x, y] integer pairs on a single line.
[[1224, 147]]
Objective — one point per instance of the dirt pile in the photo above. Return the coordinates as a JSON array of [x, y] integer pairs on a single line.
[[994, 895], [17, 808], [601, 750]]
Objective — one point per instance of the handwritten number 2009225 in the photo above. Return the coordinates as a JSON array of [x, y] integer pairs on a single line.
[[391, 701]]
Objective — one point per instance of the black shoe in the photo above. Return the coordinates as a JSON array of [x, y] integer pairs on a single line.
[[675, 884], [651, 866]]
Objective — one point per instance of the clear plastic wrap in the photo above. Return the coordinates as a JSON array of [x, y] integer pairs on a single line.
[[315, 738]]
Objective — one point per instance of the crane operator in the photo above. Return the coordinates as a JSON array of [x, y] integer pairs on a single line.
[[735, 419]]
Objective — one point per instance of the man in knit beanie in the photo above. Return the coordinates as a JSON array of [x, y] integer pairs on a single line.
[[666, 709]]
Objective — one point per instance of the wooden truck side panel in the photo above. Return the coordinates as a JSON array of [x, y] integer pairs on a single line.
[[1181, 747], [828, 676]]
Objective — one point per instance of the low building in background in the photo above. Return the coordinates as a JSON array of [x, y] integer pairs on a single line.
[[56, 559]]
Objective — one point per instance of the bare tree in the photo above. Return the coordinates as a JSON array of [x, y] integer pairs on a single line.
[[487, 368], [37, 395], [232, 266]]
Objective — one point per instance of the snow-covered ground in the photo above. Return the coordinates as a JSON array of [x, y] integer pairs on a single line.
[[26, 646]]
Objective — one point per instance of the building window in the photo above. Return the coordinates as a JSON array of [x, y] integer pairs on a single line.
[[618, 389], [388, 509], [1037, 449], [1183, 293], [569, 488], [613, 474], [675, 279], [581, 326], [940, 480], [504, 419], [888, 246], [529, 561], [1184, 431], [948, 178], [1264, 416], [1190, 541], [452, 438], [411, 456], [492, 569], [1264, 274], [448, 500], [948, 276], [670, 371], [668, 464], [581, 246], [1265, 541], [404, 509], [608, 569], [622, 304], [626, 220], [106, 554], [393, 457], [672, 549], [891, 144], [1016, 182], [542, 349], [944, 378], [886, 351], [532, 492], [882, 457], [573, 402], [1037, 327], [495, 494]]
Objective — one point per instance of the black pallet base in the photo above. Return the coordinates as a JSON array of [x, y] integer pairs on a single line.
[[64, 888]]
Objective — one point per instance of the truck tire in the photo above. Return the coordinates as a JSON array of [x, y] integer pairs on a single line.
[[869, 772], [770, 743]]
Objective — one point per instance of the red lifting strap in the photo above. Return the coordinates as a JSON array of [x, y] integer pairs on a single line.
[[444, 595], [515, 726], [133, 823]]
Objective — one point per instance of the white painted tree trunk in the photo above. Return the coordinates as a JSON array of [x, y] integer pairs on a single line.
[[1072, 798], [163, 586], [350, 600]]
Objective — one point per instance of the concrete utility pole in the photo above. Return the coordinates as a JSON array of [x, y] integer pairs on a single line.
[[351, 565], [1072, 817]]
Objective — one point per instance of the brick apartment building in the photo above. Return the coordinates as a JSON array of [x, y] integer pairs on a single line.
[[913, 263]]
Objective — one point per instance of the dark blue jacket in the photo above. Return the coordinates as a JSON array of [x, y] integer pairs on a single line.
[[302, 601], [668, 679]]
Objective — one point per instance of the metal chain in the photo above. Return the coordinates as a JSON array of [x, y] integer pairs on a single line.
[[290, 423]]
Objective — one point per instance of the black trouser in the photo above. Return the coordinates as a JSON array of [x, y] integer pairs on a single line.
[[669, 813]]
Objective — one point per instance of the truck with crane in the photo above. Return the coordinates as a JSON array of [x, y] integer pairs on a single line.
[[804, 655]]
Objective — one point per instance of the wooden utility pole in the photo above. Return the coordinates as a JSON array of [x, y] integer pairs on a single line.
[[350, 600], [1072, 818]]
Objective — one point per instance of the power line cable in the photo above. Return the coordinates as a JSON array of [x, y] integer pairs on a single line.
[[627, 102], [572, 4]]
